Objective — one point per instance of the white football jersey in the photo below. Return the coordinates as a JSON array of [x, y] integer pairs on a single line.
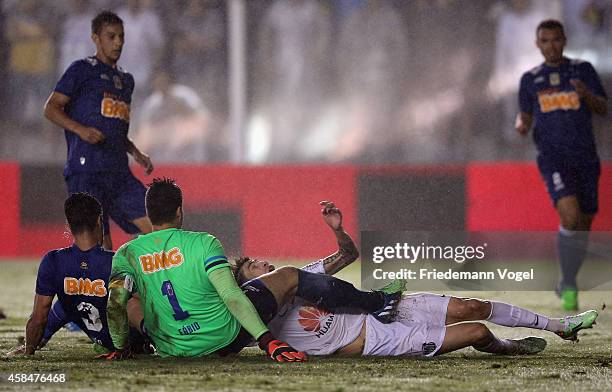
[[313, 330]]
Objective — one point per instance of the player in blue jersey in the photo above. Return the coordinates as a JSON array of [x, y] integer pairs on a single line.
[[558, 98], [91, 102], [78, 276]]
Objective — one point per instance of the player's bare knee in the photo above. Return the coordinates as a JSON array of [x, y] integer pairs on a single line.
[[569, 214], [287, 271], [288, 274], [470, 309], [460, 310], [477, 309], [570, 221], [282, 282]]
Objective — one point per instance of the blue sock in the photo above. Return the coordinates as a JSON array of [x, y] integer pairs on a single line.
[[571, 246], [332, 293]]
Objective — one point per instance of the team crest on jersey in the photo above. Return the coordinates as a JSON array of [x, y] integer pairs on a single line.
[[314, 319], [554, 79], [117, 82], [104, 76], [84, 265], [82, 160]]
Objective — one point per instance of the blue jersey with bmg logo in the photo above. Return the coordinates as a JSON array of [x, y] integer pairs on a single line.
[[562, 120], [80, 281], [100, 97]]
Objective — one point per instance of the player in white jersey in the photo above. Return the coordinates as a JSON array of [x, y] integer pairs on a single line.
[[425, 323]]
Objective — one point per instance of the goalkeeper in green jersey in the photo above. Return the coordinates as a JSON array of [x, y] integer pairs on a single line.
[[190, 300], [191, 303]]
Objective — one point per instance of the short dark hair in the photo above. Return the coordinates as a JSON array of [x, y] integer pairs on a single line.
[[104, 18], [237, 268], [82, 212], [163, 198], [550, 24]]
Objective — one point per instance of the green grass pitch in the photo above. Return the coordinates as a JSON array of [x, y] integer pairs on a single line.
[[563, 366]]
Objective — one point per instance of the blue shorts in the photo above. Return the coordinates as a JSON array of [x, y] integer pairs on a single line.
[[564, 178], [122, 196], [57, 318], [264, 302]]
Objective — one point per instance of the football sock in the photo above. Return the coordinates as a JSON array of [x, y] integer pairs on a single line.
[[331, 293], [554, 325], [492, 344], [498, 346], [571, 246], [515, 316]]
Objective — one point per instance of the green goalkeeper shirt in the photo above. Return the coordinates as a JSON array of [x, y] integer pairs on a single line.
[[183, 313]]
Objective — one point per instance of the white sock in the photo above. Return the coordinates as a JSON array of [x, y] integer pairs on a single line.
[[554, 325], [515, 316]]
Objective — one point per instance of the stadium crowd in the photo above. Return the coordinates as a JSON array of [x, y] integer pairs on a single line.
[[363, 81]]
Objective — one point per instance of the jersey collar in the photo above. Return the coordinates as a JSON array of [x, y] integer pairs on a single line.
[[76, 248]]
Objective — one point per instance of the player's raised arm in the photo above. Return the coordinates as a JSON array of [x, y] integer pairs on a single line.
[[55, 112], [347, 251]]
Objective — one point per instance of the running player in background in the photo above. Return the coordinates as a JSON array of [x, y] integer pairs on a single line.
[[91, 102], [78, 276], [558, 98], [423, 321]]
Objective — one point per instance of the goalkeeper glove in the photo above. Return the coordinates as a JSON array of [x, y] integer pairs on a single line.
[[117, 355], [282, 352]]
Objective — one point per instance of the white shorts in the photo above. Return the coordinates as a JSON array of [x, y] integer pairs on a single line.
[[419, 330], [423, 308]]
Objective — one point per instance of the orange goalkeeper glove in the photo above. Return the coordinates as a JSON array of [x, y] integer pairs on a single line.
[[282, 352], [117, 355]]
